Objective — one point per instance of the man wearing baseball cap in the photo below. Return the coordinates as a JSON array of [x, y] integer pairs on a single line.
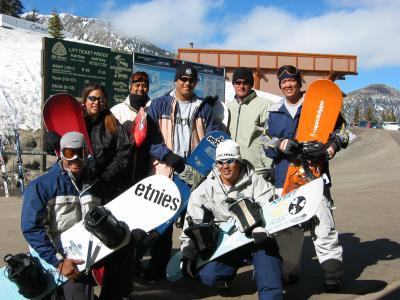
[[231, 182], [248, 114], [183, 120]]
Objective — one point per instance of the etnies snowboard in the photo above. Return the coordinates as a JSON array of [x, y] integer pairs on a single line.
[[321, 107]]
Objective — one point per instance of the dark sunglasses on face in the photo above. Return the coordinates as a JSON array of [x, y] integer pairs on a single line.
[[291, 70], [186, 79], [239, 82], [71, 154], [94, 98], [227, 161]]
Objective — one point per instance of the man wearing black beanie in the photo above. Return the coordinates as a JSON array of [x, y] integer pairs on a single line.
[[248, 114]]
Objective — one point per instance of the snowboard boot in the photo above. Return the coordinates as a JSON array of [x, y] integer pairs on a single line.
[[333, 273]]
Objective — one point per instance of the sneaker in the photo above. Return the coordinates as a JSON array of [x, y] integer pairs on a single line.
[[152, 273], [333, 285]]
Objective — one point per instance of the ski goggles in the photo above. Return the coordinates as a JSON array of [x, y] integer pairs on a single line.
[[287, 69], [229, 161], [71, 154], [101, 99]]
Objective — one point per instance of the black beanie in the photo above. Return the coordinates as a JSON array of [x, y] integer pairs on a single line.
[[244, 74], [186, 69]]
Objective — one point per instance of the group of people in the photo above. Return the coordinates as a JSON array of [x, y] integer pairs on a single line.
[[251, 166]]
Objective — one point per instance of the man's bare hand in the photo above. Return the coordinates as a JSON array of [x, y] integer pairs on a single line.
[[68, 268]]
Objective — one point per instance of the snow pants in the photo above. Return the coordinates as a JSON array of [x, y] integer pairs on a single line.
[[267, 268]]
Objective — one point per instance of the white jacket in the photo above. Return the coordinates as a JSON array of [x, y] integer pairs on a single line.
[[211, 195]]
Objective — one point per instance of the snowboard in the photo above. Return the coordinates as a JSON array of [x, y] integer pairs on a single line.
[[294, 208], [62, 113], [201, 159], [146, 205], [321, 108]]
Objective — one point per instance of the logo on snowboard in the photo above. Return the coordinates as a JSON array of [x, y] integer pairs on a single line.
[[318, 118], [297, 205]]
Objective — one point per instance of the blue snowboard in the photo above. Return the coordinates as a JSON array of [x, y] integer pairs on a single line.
[[201, 159], [291, 209]]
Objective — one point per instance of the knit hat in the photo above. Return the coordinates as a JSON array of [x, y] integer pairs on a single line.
[[244, 74], [186, 69], [74, 140], [288, 71], [228, 149]]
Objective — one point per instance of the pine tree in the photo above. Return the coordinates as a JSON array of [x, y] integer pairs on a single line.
[[370, 114], [33, 16], [11, 7], [357, 116], [55, 26]]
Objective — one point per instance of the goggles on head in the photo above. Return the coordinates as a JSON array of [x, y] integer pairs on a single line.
[[71, 154], [288, 69]]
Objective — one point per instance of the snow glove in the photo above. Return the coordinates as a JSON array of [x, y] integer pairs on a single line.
[[191, 177], [188, 267], [175, 161], [310, 224], [51, 142], [287, 147]]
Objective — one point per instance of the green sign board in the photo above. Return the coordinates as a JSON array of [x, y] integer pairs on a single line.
[[68, 66]]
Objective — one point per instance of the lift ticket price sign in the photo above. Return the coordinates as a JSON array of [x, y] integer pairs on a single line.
[[68, 66]]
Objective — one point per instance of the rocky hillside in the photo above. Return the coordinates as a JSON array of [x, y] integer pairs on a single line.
[[379, 97], [100, 32]]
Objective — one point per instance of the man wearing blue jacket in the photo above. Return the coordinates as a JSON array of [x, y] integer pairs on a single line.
[[281, 146], [56, 201]]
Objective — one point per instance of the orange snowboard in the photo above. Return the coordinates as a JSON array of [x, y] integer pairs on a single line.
[[321, 108]]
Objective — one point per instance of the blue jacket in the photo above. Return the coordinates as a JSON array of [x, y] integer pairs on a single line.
[[281, 125], [52, 203], [162, 114]]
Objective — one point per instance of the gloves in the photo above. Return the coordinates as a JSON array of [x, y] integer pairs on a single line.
[[191, 176], [188, 267], [260, 235], [138, 235], [288, 147], [210, 99], [51, 142], [175, 161], [310, 224]]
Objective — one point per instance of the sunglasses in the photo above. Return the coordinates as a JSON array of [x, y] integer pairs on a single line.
[[288, 69], [71, 154], [227, 161], [186, 79], [239, 82], [94, 98]]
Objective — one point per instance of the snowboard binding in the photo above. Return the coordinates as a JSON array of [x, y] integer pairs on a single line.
[[27, 273], [247, 212], [102, 223]]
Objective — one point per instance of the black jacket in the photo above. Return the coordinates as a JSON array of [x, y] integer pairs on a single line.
[[113, 155]]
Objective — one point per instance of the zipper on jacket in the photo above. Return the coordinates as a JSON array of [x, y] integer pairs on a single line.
[[237, 121]]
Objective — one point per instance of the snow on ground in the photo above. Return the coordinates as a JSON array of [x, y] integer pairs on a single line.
[[20, 80]]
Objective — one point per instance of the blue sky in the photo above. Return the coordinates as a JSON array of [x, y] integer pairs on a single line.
[[366, 28]]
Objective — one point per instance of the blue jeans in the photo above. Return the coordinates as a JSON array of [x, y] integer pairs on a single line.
[[267, 267]]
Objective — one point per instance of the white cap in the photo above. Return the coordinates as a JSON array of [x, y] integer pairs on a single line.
[[73, 140], [228, 149]]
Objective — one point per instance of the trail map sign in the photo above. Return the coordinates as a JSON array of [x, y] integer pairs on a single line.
[[161, 71], [68, 66]]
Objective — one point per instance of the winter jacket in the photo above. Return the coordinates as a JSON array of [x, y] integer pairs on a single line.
[[161, 113], [113, 155], [126, 114], [280, 124], [52, 204], [246, 124], [210, 195]]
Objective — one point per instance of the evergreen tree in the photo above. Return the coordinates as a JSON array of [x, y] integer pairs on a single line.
[[357, 115], [12, 8], [33, 16], [55, 26], [370, 114]]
